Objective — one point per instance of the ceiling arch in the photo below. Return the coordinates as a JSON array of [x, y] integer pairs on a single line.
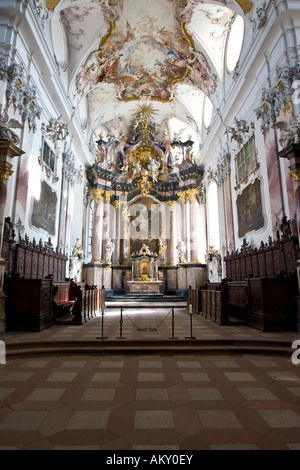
[[168, 52]]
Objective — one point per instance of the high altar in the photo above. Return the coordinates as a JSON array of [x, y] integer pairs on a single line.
[[149, 213], [144, 272]]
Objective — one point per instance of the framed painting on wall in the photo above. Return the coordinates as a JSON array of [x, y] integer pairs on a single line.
[[44, 209], [249, 209], [144, 227]]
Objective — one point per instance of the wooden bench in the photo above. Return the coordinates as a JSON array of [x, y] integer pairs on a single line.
[[76, 303], [63, 299], [237, 300]]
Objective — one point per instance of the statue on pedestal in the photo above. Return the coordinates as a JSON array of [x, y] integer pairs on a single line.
[[76, 261], [181, 251], [109, 248]]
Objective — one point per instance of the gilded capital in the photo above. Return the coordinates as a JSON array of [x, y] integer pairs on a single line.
[[97, 193], [295, 175], [107, 195], [171, 204], [182, 196], [192, 194], [5, 171], [117, 205]]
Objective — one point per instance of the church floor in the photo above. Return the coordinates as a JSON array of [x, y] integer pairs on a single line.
[[230, 387]]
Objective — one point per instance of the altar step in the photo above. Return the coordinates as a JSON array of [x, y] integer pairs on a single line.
[[145, 300]]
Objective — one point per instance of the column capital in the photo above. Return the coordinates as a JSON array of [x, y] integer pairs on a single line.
[[171, 204], [97, 193], [5, 170], [117, 204], [295, 175], [192, 194], [107, 195], [182, 196]]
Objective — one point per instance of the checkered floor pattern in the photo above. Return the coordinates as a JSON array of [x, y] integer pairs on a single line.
[[185, 400]]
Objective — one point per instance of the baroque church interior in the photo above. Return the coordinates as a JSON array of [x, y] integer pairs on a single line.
[[149, 224]]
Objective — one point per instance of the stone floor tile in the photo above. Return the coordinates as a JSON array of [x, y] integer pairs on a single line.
[[239, 376], [23, 420], [46, 394], [219, 419], [88, 420], [154, 419], [257, 393], [207, 394], [280, 418]]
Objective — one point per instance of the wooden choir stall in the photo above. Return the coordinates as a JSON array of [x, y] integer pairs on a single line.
[[38, 294], [260, 289]]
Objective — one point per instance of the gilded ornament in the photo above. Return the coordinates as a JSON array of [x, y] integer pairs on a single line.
[[246, 5], [97, 193], [107, 195], [192, 194], [265, 107], [5, 171], [295, 175], [171, 204], [117, 204], [51, 4], [182, 196]]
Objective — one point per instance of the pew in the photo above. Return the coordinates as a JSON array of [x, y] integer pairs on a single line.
[[63, 299], [76, 303], [237, 300]]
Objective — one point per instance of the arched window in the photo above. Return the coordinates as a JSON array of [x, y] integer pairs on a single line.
[[234, 43], [59, 42]]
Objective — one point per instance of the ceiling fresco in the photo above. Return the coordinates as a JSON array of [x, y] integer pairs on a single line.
[[125, 52]]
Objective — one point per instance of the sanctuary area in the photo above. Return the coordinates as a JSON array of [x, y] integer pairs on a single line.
[[149, 150]]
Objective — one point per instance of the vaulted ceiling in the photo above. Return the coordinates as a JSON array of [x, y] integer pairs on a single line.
[[119, 54]]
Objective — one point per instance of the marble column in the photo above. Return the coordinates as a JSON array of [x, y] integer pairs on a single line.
[[8, 150], [97, 196], [63, 211], [123, 230], [172, 233], [192, 195], [117, 252], [182, 199], [292, 153], [106, 219]]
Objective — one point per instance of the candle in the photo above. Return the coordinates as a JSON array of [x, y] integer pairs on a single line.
[[191, 308]]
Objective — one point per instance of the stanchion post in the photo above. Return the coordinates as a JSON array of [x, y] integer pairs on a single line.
[[121, 326], [102, 325], [173, 324], [191, 322]]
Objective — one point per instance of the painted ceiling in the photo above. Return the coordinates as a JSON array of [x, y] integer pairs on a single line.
[[121, 53]]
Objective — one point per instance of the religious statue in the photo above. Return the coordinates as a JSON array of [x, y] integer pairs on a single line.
[[153, 167], [181, 251], [109, 248], [76, 261]]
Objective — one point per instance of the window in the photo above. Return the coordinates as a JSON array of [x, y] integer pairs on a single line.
[[234, 44], [48, 157], [208, 112], [246, 161]]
